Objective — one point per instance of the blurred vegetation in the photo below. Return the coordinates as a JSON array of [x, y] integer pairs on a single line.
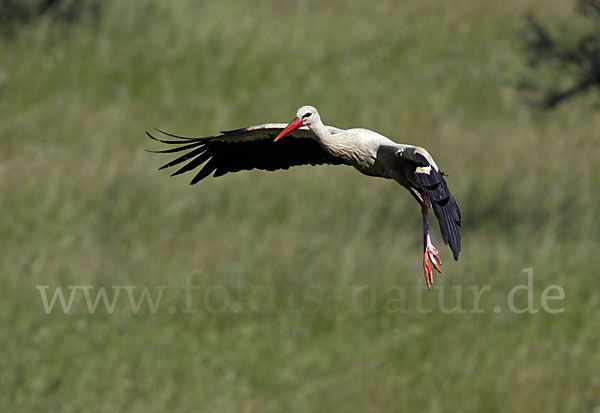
[[565, 64], [66, 11], [83, 204]]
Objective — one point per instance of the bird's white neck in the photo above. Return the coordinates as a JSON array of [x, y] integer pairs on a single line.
[[320, 131]]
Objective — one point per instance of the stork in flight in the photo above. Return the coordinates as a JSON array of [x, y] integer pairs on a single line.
[[309, 141]]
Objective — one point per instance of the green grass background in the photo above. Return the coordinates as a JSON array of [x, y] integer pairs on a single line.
[[83, 204]]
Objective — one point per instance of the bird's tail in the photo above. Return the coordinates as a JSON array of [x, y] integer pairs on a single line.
[[448, 216], [444, 206]]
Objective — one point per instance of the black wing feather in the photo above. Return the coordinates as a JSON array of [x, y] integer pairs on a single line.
[[197, 156], [223, 156], [206, 170], [443, 203], [189, 155], [180, 142]]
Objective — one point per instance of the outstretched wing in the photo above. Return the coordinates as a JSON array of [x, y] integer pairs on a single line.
[[432, 180], [245, 149]]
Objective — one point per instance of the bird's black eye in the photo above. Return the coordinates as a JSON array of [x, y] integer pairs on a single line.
[[306, 115]]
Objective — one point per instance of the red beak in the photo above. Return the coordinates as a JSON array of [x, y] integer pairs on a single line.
[[293, 125]]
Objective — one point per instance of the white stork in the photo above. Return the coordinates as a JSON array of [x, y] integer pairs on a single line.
[[309, 141]]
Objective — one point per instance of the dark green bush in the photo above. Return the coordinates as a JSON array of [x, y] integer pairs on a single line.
[[67, 11]]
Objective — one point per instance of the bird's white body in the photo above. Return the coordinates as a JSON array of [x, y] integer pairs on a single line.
[[360, 147], [369, 152]]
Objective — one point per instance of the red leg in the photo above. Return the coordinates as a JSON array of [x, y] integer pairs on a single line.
[[430, 253]]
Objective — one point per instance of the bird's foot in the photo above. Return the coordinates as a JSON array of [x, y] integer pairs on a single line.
[[431, 254]]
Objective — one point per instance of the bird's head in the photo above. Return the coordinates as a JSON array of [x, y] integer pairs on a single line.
[[305, 116]]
